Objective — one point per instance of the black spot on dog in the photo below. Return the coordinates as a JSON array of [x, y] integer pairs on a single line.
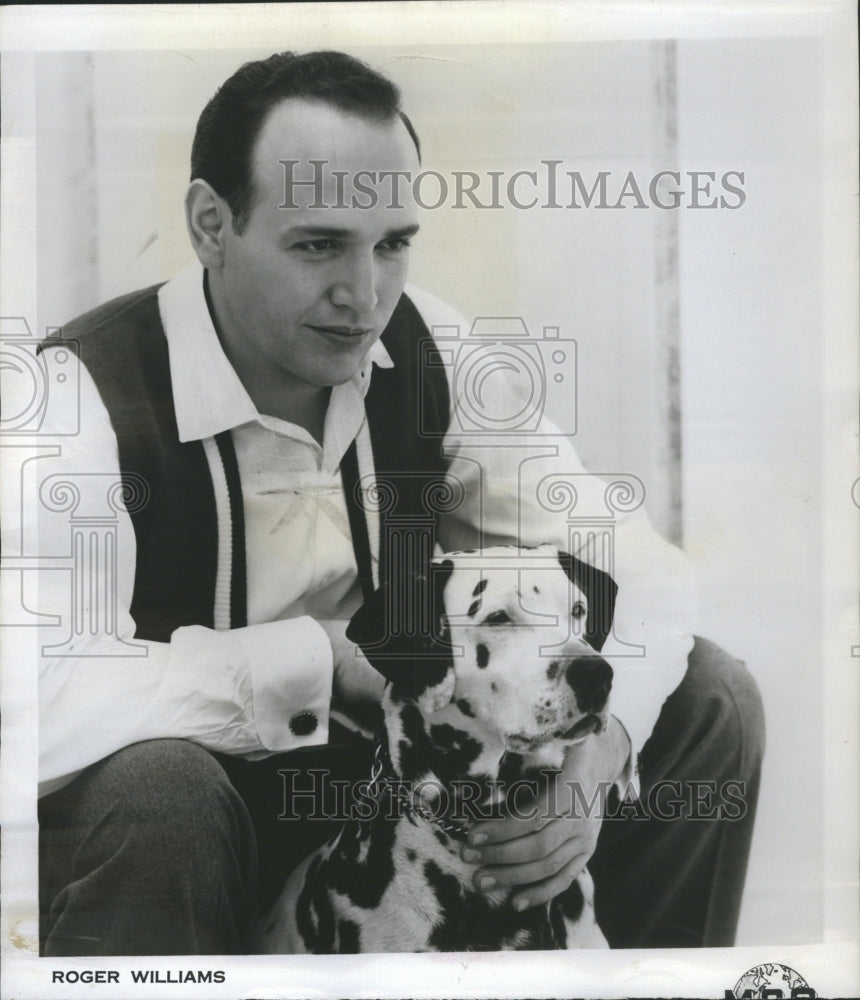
[[497, 618], [468, 918], [350, 839], [557, 922], [449, 895], [483, 655], [410, 855], [474, 608], [447, 751], [572, 901], [465, 708], [347, 933], [510, 768], [535, 589], [494, 687], [447, 737], [397, 696], [314, 913], [303, 907], [363, 883], [480, 587], [552, 670]]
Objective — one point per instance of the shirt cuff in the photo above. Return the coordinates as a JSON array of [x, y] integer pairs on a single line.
[[290, 664]]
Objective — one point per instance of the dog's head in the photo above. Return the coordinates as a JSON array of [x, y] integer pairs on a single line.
[[507, 638]]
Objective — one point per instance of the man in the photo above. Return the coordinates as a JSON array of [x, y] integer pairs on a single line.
[[247, 398]]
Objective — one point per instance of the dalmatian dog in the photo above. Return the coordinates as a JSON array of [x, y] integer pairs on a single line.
[[504, 675]]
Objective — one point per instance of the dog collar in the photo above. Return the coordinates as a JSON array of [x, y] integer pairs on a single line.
[[383, 776]]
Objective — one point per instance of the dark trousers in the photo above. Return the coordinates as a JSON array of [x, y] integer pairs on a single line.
[[664, 882], [165, 848]]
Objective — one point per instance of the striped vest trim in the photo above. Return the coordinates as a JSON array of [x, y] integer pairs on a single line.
[[230, 579]]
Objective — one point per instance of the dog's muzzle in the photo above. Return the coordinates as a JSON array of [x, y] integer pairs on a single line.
[[590, 679]]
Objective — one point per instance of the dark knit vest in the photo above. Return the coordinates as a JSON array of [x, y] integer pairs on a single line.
[[123, 346]]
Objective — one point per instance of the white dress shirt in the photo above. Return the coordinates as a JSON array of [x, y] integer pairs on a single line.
[[237, 691]]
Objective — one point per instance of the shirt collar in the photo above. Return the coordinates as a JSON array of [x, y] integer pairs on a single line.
[[212, 398]]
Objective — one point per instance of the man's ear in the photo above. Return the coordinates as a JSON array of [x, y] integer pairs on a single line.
[[402, 630], [600, 590], [206, 215]]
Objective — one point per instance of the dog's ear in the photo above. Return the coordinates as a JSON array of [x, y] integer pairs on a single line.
[[600, 590], [402, 630]]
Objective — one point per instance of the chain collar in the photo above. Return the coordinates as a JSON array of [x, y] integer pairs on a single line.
[[383, 775]]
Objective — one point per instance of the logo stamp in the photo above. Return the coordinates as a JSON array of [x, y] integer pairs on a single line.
[[770, 981]]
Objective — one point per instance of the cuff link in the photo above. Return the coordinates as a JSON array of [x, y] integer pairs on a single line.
[[303, 723]]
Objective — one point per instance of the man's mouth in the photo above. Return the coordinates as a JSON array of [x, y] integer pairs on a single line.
[[346, 332]]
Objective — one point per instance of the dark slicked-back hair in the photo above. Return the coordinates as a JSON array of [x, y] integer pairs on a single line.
[[227, 130]]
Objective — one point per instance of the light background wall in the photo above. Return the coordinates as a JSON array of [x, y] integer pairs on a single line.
[[733, 293]]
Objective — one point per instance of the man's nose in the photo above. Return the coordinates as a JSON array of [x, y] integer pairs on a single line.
[[355, 287], [591, 680]]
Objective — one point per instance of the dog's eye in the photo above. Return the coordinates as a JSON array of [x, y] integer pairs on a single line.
[[579, 610], [497, 618]]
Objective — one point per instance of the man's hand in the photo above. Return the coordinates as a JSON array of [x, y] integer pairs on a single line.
[[356, 685], [546, 847]]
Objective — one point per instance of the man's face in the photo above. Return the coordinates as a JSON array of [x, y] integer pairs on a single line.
[[304, 292]]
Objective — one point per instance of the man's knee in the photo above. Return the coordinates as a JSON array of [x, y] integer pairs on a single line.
[[170, 779], [149, 851], [161, 798]]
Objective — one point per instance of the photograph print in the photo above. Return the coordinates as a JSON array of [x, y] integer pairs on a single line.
[[418, 532]]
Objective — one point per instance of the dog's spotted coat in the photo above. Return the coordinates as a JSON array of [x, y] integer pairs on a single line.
[[509, 678]]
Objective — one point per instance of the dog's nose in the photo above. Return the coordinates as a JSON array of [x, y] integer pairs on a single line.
[[590, 677]]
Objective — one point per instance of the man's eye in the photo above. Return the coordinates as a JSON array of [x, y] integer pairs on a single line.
[[579, 610], [395, 245], [316, 246]]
